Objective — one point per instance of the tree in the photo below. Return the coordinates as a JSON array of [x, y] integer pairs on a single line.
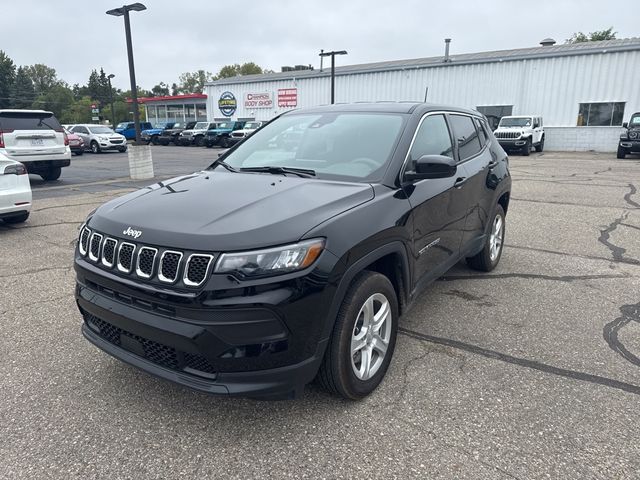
[[7, 78], [23, 93], [194, 82], [43, 77], [160, 90], [234, 70], [174, 89], [93, 85], [598, 35], [250, 68], [57, 99]]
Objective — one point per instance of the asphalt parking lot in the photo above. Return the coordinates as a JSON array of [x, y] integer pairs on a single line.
[[531, 371]]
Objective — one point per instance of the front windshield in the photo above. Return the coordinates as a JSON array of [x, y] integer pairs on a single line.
[[201, 125], [337, 145], [515, 122], [252, 125], [223, 125], [635, 120], [100, 130], [160, 125], [122, 125]]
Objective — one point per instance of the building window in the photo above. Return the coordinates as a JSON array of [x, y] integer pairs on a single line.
[[494, 113], [602, 114], [201, 112], [175, 113]]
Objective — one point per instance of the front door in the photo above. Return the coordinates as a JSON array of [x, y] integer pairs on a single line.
[[439, 206]]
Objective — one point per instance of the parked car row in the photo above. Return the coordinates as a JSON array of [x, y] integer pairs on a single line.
[[208, 134]]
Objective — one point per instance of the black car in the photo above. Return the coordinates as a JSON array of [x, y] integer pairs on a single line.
[[292, 259], [630, 139], [172, 135]]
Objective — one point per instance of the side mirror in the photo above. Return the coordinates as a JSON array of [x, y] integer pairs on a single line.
[[536, 125], [625, 125], [432, 166]]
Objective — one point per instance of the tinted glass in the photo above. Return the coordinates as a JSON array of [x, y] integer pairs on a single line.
[[100, 130], [494, 113], [466, 135], [432, 138], [600, 114], [481, 132], [337, 145], [29, 121]]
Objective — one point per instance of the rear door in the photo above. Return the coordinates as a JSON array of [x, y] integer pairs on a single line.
[[439, 206], [82, 132], [476, 158], [31, 135]]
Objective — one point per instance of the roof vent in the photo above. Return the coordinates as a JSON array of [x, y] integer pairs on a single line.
[[287, 69], [548, 42], [447, 42]]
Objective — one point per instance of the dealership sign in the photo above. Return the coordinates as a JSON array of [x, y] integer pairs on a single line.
[[258, 100], [227, 104], [288, 97]]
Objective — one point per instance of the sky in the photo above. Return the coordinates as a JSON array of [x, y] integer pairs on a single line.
[[175, 36]]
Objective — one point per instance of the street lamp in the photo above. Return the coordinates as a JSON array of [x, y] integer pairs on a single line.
[[333, 54], [119, 12], [113, 115]]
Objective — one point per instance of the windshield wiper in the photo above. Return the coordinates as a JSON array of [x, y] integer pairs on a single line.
[[301, 172], [224, 164]]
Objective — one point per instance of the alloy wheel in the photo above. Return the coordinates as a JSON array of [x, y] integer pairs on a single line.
[[371, 336], [495, 240]]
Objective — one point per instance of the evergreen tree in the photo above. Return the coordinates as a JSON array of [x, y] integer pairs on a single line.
[[7, 78], [93, 85], [23, 91]]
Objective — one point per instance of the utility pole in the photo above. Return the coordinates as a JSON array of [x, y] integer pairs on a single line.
[[332, 54]]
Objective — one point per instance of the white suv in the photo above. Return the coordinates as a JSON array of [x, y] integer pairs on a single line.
[[521, 133], [195, 136], [36, 139], [100, 137], [15, 191]]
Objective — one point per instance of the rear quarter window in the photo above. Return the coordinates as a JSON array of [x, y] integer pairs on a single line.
[[28, 121]]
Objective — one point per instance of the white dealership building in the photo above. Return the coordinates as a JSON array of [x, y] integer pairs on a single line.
[[584, 91]]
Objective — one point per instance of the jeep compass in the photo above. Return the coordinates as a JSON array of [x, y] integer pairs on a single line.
[[293, 256]]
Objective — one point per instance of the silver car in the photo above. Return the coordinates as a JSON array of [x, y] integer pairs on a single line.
[[99, 138]]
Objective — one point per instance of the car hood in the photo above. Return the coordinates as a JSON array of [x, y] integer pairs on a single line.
[[152, 131], [223, 211], [216, 131]]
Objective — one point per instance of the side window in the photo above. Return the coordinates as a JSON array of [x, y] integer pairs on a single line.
[[466, 135], [432, 138], [481, 132]]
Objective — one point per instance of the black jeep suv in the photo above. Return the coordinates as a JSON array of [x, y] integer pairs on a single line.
[[172, 135], [630, 139], [292, 256]]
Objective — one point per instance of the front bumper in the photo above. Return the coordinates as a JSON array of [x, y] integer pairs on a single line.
[[106, 145], [630, 145], [512, 143], [267, 345]]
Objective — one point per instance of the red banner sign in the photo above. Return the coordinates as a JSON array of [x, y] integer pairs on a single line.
[[288, 97]]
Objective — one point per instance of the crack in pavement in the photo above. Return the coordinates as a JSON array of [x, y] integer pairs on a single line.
[[602, 171], [630, 313], [95, 202], [577, 255], [38, 270], [551, 202], [523, 362], [532, 276], [627, 197], [616, 252]]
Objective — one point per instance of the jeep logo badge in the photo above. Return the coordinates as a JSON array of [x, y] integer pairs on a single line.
[[132, 233]]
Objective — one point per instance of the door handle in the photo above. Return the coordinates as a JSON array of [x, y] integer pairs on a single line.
[[460, 181], [492, 163]]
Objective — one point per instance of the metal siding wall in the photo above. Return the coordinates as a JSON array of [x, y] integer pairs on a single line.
[[551, 87]]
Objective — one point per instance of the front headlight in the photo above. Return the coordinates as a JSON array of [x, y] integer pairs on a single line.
[[623, 135], [271, 261]]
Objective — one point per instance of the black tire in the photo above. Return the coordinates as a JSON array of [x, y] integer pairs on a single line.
[[224, 143], [95, 148], [154, 140], [336, 373], [208, 144], [483, 261], [198, 141], [164, 143], [80, 152], [53, 173], [540, 146], [122, 149], [621, 152], [17, 218], [526, 150]]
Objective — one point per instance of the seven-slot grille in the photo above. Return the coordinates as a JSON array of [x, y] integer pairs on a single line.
[[507, 134], [149, 263]]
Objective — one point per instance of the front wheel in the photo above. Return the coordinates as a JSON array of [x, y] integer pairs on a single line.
[[363, 338], [540, 146], [122, 149], [491, 252], [621, 152], [224, 143], [95, 148], [526, 150]]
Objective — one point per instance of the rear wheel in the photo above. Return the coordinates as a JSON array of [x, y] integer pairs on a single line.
[[540, 146], [17, 218], [53, 173], [491, 252], [363, 338], [526, 150], [621, 152], [95, 148]]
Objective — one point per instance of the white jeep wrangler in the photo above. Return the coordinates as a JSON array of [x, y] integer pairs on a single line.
[[521, 133]]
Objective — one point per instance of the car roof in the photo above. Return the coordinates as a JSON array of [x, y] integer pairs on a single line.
[[386, 107], [19, 110]]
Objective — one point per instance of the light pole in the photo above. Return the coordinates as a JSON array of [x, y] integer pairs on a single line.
[[333, 54], [119, 12], [113, 115]]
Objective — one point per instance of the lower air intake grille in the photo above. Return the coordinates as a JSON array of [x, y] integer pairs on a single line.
[[197, 268], [158, 353]]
